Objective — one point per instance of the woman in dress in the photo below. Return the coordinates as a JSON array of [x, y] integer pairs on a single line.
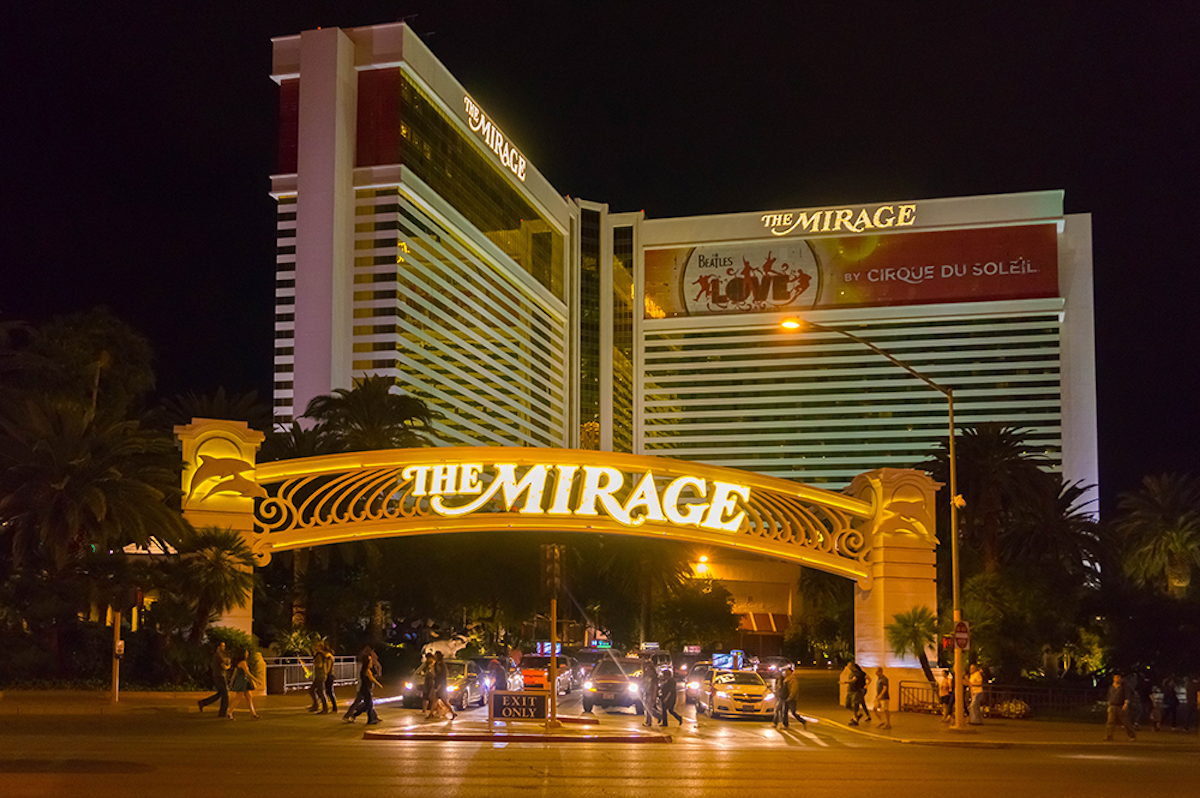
[[243, 683]]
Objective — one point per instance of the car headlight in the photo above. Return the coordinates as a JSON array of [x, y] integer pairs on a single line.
[[633, 688], [769, 699], [693, 685], [453, 687], [683, 668], [588, 686], [722, 694], [408, 685]]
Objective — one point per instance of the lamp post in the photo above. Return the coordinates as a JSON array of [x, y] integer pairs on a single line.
[[798, 324]]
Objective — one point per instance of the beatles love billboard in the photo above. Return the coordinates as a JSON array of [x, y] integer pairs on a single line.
[[974, 265]]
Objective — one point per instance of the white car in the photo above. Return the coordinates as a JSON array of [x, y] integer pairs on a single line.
[[740, 693]]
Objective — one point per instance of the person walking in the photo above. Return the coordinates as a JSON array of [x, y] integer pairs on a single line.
[[330, 678], [792, 681], [946, 694], [1118, 709], [441, 684], [975, 682], [858, 693], [1191, 704], [428, 684], [243, 683], [219, 668], [666, 699], [779, 689], [883, 699], [1170, 705], [497, 676], [365, 701], [649, 689], [317, 689]]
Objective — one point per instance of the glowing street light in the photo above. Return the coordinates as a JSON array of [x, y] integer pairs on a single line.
[[956, 501]]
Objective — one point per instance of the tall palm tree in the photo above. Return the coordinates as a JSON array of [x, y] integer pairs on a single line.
[[371, 416], [1160, 525], [913, 631], [214, 574], [71, 481], [997, 473], [182, 408]]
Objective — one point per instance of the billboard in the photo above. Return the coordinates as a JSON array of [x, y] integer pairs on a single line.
[[973, 265]]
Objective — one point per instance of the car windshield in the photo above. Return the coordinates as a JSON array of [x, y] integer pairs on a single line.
[[740, 677], [455, 670], [621, 668]]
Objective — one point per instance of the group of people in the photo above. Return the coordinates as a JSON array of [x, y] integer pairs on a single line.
[[1134, 701], [856, 681], [787, 698], [231, 674], [975, 694], [435, 698], [658, 694]]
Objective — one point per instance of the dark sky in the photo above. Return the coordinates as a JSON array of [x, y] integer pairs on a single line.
[[139, 140]]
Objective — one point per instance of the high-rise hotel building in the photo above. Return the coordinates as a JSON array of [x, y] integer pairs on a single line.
[[417, 241]]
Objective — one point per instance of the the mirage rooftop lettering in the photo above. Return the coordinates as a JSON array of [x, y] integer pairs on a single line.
[[495, 140], [835, 219]]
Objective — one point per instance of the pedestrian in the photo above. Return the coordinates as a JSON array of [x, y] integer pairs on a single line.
[[649, 690], [946, 694], [367, 682], [666, 699], [1191, 704], [1170, 705], [792, 680], [844, 680], [1139, 699], [243, 683], [219, 670], [975, 682], [497, 676], [441, 684], [1118, 708], [428, 684], [858, 693], [779, 690], [317, 689], [883, 699], [330, 677]]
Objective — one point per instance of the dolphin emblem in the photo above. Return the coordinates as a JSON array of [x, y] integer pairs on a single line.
[[237, 484], [216, 468]]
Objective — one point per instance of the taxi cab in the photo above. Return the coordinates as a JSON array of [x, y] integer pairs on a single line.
[[742, 693]]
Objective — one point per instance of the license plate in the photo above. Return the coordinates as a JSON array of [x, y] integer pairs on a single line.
[[746, 709], [607, 696]]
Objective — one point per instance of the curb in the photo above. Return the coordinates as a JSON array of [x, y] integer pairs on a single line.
[[518, 737]]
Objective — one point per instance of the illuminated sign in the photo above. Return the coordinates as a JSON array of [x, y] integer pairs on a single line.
[[835, 219], [456, 490], [495, 140]]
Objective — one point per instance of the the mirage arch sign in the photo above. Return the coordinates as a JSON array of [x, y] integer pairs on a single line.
[[335, 498]]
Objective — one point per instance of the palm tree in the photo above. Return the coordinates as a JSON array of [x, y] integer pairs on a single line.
[[1161, 530], [214, 574], [997, 473], [182, 408], [71, 482], [370, 416], [913, 631]]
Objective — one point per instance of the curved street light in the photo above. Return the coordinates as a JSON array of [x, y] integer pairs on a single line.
[[955, 500]]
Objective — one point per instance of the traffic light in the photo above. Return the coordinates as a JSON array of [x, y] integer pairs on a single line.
[[552, 567]]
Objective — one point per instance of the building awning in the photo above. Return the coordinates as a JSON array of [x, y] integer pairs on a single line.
[[766, 623]]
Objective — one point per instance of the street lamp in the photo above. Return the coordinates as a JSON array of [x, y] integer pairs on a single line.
[[955, 499]]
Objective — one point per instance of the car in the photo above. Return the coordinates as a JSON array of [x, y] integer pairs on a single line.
[[694, 680], [769, 666], [740, 693], [535, 672], [614, 682]]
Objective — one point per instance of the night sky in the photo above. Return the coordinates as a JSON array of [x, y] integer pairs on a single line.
[[138, 147]]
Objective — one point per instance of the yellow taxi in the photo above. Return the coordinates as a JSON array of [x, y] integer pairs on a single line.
[[740, 693]]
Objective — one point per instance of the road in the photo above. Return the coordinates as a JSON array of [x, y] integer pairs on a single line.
[[291, 753]]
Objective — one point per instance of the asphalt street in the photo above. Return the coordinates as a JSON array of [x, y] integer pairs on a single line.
[[292, 753]]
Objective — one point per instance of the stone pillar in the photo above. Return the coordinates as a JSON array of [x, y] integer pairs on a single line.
[[219, 486], [903, 547]]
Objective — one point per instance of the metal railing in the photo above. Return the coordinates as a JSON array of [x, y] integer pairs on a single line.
[[286, 674], [923, 697]]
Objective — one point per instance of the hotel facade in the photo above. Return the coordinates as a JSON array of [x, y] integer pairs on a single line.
[[416, 241]]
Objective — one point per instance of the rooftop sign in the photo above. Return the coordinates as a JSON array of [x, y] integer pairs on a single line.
[[833, 220], [495, 140]]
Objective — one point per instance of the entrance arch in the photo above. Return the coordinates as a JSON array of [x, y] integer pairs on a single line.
[[879, 532]]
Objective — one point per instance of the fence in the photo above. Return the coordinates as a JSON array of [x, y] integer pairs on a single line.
[[923, 697], [285, 674]]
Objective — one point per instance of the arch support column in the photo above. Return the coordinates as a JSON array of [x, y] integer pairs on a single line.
[[219, 486], [903, 547]]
